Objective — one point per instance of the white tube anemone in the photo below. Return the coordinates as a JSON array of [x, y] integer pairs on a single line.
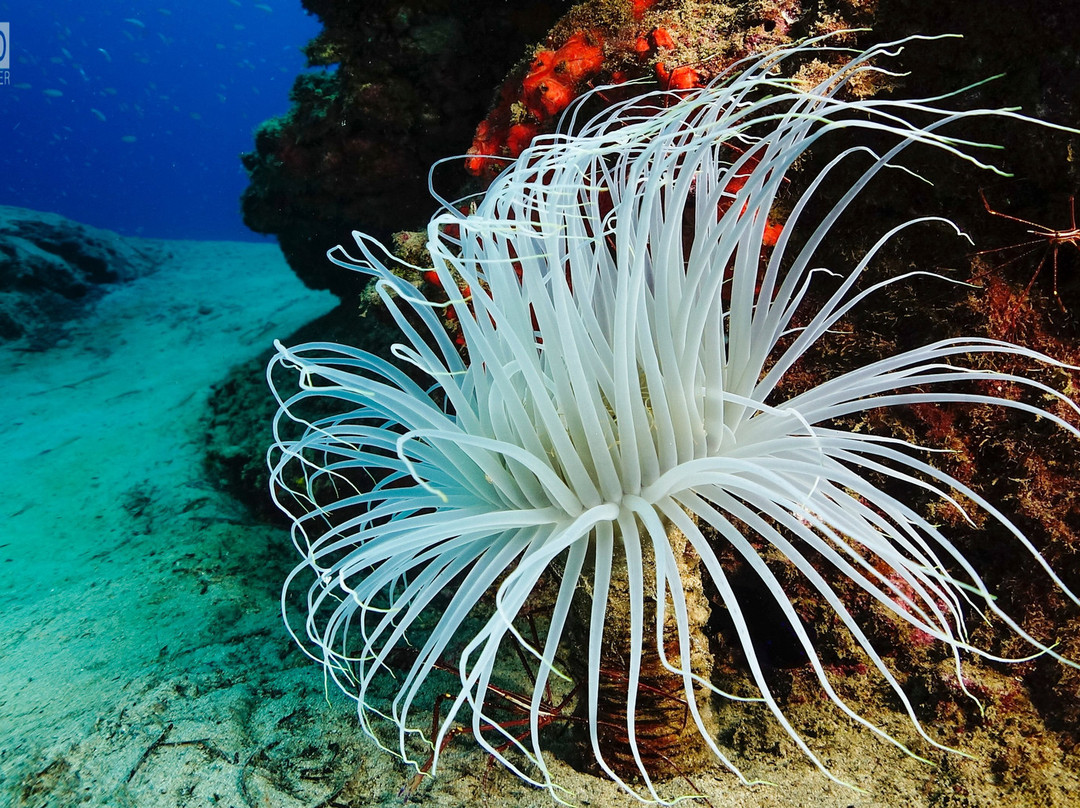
[[625, 339]]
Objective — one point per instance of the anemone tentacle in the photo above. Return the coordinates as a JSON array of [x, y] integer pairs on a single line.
[[622, 378]]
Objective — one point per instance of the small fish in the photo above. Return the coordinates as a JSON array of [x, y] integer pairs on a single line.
[[164, 11], [105, 53], [22, 85], [53, 93], [98, 114], [66, 52], [264, 7], [128, 139], [134, 21], [236, 3]]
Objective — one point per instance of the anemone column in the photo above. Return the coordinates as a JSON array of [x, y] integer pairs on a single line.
[[667, 739]]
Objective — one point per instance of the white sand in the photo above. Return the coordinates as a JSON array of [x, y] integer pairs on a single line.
[[142, 657], [134, 596]]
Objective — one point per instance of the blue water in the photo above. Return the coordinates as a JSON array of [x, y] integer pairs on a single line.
[[132, 115]]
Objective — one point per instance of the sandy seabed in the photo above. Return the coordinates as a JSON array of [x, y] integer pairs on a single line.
[[143, 660]]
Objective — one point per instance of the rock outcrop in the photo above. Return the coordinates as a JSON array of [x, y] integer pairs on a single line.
[[52, 267]]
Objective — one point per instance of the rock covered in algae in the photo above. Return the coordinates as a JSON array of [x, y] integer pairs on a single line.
[[398, 86]]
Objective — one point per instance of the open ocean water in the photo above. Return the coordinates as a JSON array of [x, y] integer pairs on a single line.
[[132, 116]]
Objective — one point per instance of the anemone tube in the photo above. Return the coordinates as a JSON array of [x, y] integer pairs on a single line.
[[621, 381]]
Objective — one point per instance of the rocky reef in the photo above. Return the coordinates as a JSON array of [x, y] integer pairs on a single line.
[[398, 86]]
